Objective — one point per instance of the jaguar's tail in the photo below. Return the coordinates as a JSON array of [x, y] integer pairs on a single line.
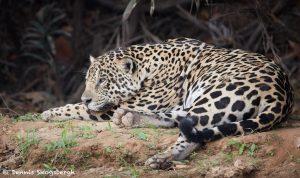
[[271, 115]]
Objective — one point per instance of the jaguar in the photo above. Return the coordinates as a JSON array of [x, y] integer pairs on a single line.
[[206, 91]]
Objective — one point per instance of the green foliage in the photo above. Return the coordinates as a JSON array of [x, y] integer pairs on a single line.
[[119, 146], [294, 117], [86, 132], [141, 136], [26, 142], [130, 169], [182, 162], [137, 133], [134, 173], [65, 142], [108, 150], [193, 156], [65, 125], [200, 164], [111, 177], [252, 149], [49, 167], [215, 162], [1, 117], [28, 117], [38, 39], [229, 157], [243, 146], [108, 127]]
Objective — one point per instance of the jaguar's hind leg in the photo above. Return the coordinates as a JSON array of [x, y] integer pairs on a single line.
[[179, 151], [131, 119]]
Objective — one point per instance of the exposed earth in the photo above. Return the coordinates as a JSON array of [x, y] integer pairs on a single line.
[[89, 149]]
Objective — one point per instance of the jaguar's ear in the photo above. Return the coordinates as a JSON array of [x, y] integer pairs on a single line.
[[92, 59], [127, 64]]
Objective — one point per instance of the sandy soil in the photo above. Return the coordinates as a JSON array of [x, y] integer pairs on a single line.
[[102, 150]]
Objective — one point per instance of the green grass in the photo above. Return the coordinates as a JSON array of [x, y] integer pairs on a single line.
[[137, 133], [294, 117], [65, 125], [215, 162], [66, 141], [242, 147], [28, 117], [61, 148], [108, 127], [200, 164], [49, 167], [26, 142], [252, 149], [86, 132], [1, 117], [228, 157], [108, 150], [182, 162], [130, 169]]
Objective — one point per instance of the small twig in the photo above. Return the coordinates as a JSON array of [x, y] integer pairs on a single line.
[[155, 38], [31, 84], [279, 6], [110, 41], [8, 63], [116, 18], [197, 22], [248, 28], [6, 106], [254, 36], [132, 40]]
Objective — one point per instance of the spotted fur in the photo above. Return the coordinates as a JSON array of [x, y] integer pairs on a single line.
[[209, 92]]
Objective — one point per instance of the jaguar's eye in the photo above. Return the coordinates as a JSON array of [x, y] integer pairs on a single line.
[[99, 82]]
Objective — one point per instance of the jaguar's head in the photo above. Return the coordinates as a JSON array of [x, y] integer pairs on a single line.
[[111, 79]]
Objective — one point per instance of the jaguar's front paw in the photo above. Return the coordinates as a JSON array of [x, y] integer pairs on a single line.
[[160, 161], [128, 120], [117, 117], [123, 119], [47, 115]]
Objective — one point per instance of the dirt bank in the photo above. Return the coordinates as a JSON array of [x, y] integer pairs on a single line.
[[88, 149]]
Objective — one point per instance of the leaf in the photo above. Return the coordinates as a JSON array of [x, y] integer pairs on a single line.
[[131, 5], [33, 44], [29, 36], [34, 56], [30, 47], [33, 30], [60, 32], [152, 7], [38, 27], [141, 136], [253, 147], [51, 44], [197, 2], [56, 20], [242, 148], [47, 166], [233, 142]]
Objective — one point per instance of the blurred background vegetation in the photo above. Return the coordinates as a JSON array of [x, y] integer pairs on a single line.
[[45, 44]]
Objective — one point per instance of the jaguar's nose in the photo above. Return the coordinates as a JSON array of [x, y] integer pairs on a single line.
[[86, 100]]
